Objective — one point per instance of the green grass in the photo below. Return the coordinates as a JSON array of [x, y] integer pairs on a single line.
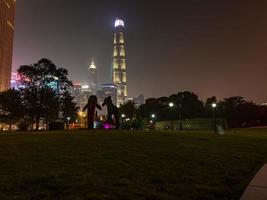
[[129, 165]]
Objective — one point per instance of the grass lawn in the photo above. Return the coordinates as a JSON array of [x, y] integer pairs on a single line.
[[129, 165]]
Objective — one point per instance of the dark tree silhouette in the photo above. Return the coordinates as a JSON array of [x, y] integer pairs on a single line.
[[128, 109], [68, 107], [43, 86], [11, 109]]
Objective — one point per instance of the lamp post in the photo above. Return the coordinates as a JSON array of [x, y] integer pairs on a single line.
[[68, 122], [152, 122], [214, 105], [171, 105]]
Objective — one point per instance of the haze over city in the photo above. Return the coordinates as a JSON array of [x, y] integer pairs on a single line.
[[208, 47]]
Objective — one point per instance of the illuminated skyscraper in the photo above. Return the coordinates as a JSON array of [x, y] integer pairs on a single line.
[[92, 77], [119, 62], [7, 17]]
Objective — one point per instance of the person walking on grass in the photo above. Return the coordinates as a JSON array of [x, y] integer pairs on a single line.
[[90, 107]]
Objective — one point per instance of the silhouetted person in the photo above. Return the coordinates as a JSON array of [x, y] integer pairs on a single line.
[[112, 111], [90, 106]]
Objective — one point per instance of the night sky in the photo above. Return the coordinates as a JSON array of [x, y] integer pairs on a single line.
[[210, 47]]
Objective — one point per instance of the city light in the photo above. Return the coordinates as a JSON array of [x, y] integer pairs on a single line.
[[85, 86], [214, 105], [123, 115], [171, 104], [119, 22], [153, 116]]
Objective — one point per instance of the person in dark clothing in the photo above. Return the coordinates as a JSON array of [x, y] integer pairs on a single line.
[[112, 111], [90, 107]]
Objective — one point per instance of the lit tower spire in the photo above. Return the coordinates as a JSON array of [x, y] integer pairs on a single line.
[[92, 76], [119, 62]]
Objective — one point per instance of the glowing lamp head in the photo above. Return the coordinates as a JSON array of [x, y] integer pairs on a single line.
[[214, 105], [119, 22]]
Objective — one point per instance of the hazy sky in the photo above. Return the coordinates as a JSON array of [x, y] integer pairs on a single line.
[[210, 47]]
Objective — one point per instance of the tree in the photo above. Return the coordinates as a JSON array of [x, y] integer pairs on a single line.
[[43, 86], [68, 107], [51, 106], [238, 111], [189, 104], [11, 109], [128, 109]]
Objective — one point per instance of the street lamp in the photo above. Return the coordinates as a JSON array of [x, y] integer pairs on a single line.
[[68, 124], [171, 105], [123, 115], [214, 105], [180, 101], [153, 116]]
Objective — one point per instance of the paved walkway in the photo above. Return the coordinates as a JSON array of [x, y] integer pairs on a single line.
[[257, 189]]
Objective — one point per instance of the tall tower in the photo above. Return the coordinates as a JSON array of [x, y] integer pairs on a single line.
[[92, 77], [119, 62], [7, 18]]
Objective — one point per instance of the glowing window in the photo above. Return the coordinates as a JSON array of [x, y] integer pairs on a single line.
[[125, 91], [121, 38], [119, 92], [10, 24], [115, 42], [7, 4], [122, 51], [124, 79], [116, 77], [123, 64], [115, 64], [115, 51]]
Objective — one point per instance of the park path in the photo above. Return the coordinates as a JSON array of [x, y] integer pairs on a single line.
[[257, 188]]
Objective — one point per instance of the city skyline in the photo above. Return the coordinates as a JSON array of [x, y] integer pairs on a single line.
[[208, 48]]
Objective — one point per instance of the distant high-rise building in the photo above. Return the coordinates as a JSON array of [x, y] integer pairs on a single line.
[[7, 18], [92, 77], [110, 90], [119, 63], [77, 94]]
